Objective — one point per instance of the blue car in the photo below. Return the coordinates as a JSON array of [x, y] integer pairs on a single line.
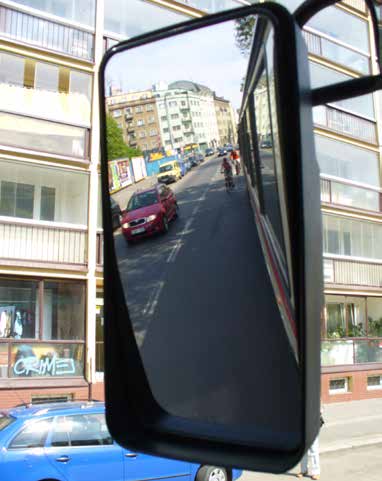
[[71, 442]]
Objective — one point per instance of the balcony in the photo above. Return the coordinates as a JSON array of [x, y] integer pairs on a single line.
[[344, 352], [352, 272], [351, 125], [24, 242], [322, 46], [46, 34], [348, 194]]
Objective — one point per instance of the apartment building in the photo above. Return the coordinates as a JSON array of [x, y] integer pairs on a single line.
[[348, 146], [51, 299], [137, 116], [226, 121]]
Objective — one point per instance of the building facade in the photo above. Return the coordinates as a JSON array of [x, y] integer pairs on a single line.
[[137, 116], [51, 299], [225, 121]]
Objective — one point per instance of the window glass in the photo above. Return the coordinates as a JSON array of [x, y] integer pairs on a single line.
[[79, 11], [343, 26], [374, 316], [135, 17], [80, 83], [18, 308], [59, 195], [355, 238], [33, 436], [41, 135], [11, 69], [335, 317], [356, 316], [81, 430], [346, 160], [64, 311], [322, 76], [46, 77], [46, 360]]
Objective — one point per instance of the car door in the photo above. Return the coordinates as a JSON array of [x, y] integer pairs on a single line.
[[81, 449], [170, 200], [23, 458], [141, 467], [165, 201]]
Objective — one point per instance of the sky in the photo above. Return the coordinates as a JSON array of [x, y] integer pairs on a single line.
[[207, 56]]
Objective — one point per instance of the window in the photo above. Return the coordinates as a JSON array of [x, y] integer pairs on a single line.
[[81, 430], [151, 120], [354, 238], [173, 103], [374, 382], [339, 386], [183, 103], [153, 132], [48, 198], [149, 107], [46, 77], [43, 136], [342, 26], [165, 130], [81, 83], [52, 194], [175, 116], [33, 436], [163, 118], [348, 161], [140, 122], [11, 69], [18, 300], [176, 127], [142, 134], [322, 76], [138, 109], [345, 316], [128, 110], [82, 12], [16, 199], [117, 113], [64, 311], [374, 316]]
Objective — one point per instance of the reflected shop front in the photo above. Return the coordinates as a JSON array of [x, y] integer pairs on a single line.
[[41, 328]]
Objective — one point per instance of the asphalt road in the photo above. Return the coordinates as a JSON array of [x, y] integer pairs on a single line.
[[192, 293]]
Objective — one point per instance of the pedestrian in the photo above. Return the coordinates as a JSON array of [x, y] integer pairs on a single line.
[[312, 457]]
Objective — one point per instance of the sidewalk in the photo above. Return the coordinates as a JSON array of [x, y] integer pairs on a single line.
[[123, 195], [351, 424]]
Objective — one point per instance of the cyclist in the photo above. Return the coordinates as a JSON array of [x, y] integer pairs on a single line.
[[226, 169]]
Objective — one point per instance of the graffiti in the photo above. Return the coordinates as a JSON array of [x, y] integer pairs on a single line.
[[53, 366]]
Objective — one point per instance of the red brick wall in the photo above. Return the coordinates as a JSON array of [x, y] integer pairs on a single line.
[[357, 385], [13, 397]]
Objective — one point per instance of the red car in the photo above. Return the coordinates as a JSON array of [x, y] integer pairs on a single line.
[[149, 212]]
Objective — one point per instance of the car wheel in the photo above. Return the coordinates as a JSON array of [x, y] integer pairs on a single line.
[[164, 225], [212, 473]]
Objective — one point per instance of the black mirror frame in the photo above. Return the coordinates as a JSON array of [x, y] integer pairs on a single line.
[[133, 416]]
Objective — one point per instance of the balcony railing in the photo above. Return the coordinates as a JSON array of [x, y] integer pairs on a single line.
[[345, 123], [344, 193], [47, 34], [352, 272], [99, 253], [318, 44], [27, 241], [342, 352]]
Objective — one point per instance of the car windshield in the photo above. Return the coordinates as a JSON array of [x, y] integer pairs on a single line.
[[165, 168], [142, 200], [5, 420]]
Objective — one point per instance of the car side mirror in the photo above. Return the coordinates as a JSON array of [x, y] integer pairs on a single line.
[[212, 308]]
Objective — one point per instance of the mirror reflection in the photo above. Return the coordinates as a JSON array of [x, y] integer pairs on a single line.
[[195, 176]]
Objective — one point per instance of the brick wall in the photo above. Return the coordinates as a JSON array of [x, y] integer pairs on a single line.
[[357, 386], [13, 397]]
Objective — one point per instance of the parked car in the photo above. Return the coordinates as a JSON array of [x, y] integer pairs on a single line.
[[222, 151], [169, 172], [116, 213], [265, 144], [209, 152], [228, 147], [200, 157], [70, 442], [194, 160], [149, 212]]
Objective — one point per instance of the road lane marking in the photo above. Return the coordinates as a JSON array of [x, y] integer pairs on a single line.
[[153, 299]]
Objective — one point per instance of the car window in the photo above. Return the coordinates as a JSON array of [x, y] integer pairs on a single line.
[[81, 430], [142, 200], [5, 421], [32, 436]]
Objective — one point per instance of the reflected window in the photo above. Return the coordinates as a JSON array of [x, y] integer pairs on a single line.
[[11, 69], [46, 77], [33, 436], [16, 199]]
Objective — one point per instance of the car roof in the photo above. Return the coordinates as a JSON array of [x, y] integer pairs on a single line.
[[168, 163], [35, 410], [149, 189]]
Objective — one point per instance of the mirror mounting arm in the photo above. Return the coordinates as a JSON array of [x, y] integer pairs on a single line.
[[345, 90]]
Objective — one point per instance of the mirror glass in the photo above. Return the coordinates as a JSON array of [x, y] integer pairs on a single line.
[[197, 195]]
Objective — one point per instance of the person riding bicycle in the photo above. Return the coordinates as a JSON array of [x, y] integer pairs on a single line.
[[226, 169]]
